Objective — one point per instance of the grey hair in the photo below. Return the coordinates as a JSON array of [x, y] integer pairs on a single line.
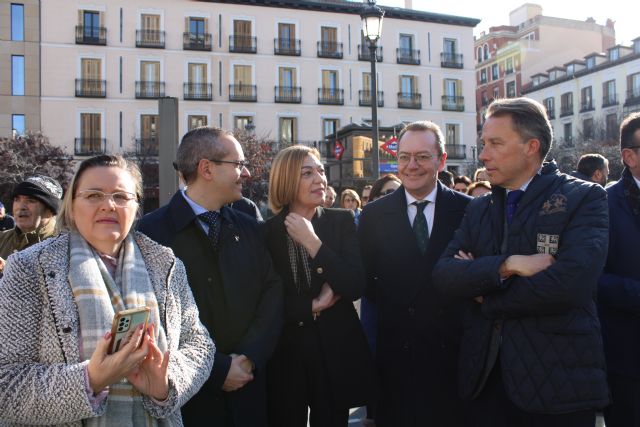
[[197, 144]]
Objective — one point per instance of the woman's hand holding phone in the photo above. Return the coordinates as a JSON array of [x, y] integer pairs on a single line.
[[151, 377]]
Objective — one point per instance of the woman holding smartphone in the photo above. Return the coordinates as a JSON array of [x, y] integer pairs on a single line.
[[57, 303], [322, 362]]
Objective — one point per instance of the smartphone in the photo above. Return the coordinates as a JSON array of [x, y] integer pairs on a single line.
[[124, 325]]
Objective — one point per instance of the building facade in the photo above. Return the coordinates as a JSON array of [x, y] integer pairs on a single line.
[[19, 67], [290, 71], [508, 56]]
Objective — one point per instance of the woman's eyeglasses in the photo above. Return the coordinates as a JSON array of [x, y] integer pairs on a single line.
[[97, 197]]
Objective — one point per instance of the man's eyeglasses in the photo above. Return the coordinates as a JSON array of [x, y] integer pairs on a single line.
[[97, 197], [421, 158], [239, 163]]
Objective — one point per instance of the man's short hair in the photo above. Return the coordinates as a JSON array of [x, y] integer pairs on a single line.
[[425, 125], [284, 178], [446, 178], [529, 119], [331, 190], [590, 163], [628, 127], [462, 179], [197, 144]]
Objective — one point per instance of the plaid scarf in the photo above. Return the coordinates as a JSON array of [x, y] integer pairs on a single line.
[[98, 297], [299, 259]]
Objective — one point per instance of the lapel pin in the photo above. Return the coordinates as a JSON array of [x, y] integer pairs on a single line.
[[237, 238]]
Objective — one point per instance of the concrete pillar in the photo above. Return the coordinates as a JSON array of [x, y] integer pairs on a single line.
[[168, 145]]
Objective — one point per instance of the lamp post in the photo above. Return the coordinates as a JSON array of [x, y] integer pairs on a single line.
[[372, 29]]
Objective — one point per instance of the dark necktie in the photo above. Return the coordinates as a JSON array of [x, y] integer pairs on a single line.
[[420, 226], [212, 219], [513, 198]]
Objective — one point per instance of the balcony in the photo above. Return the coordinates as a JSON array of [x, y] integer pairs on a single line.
[[329, 50], [198, 91], [149, 90], [196, 41], [288, 94], [566, 110], [91, 35], [551, 113], [586, 106], [452, 103], [508, 71], [147, 147], [483, 81], [408, 56], [243, 44], [89, 88], [90, 146], [451, 60], [287, 47], [364, 53], [456, 151], [410, 100], [243, 93], [330, 96], [633, 97], [150, 38], [609, 100], [364, 98]]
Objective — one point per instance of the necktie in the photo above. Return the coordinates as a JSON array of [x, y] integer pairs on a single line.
[[513, 198], [212, 219], [420, 226]]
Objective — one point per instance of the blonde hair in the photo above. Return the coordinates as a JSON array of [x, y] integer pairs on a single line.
[[284, 178], [65, 221], [352, 193]]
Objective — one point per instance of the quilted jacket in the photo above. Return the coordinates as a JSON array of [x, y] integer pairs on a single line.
[[545, 327], [42, 378]]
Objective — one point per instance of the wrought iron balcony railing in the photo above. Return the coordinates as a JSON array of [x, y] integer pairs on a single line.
[[198, 91], [410, 100], [408, 56], [243, 93], [566, 110], [330, 96], [91, 35], [90, 146], [452, 103], [633, 97], [147, 147], [243, 44], [149, 90], [150, 38], [196, 41], [364, 53], [364, 98], [456, 151], [285, 46], [288, 94], [451, 60], [609, 100], [329, 50], [90, 88], [586, 106]]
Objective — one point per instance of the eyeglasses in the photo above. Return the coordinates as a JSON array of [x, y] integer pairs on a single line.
[[239, 163], [421, 158], [97, 197]]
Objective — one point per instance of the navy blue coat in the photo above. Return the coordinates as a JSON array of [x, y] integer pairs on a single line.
[[619, 288], [546, 327]]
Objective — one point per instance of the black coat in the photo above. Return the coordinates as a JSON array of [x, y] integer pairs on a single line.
[[252, 304], [346, 354], [418, 329], [544, 327]]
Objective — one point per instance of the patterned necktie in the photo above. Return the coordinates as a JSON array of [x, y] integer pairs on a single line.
[[212, 219], [513, 198], [420, 226]]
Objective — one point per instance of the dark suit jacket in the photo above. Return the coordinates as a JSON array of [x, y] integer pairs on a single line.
[[252, 296], [619, 288], [418, 329], [346, 354]]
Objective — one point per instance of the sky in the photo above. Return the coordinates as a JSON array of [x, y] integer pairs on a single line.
[[492, 13]]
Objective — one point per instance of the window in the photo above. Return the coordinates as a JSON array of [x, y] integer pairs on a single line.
[[90, 84], [494, 72], [612, 126], [287, 77], [196, 121], [450, 46], [286, 36], [570, 69], [288, 130], [330, 80], [329, 39], [197, 26], [549, 104], [609, 96], [614, 54], [486, 51], [511, 89], [196, 35], [633, 86], [150, 71], [330, 127], [17, 22], [17, 75], [568, 133], [483, 76], [242, 75], [452, 134], [586, 102], [496, 92], [406, 43], [18, 125], [566, 104], [91, 26], [408, 84], [90, 141], [509, 66], [149, 126], [587, 129], [590, 62], [241, 39], [242, 122], [150, 34]]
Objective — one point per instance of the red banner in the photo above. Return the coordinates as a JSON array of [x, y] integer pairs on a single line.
[[339, 150]]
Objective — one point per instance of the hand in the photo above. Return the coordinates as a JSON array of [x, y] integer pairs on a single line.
[[106, 369], [237, 377], [325, 299], [525, 265], [469, 256], [151, 377], [301, 231]]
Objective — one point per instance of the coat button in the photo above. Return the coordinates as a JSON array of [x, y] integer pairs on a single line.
[[301, 324], [319, 270]]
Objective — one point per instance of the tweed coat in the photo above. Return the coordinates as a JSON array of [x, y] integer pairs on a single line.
[[42, 379]]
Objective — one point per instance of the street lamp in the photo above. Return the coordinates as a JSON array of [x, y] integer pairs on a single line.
[[372, 29]]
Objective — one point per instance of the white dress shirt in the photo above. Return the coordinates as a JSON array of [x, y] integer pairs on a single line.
[[429, 210]]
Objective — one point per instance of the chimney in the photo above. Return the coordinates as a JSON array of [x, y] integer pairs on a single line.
[[408, 4]]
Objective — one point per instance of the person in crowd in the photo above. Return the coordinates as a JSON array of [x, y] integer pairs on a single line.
[[461, 183], [593, 168], [36, 201], [446, 178], [330, 197], [527, 260], [6, 221], [401, 237], [366, 191], [57, 303], [480, 175], [237, 291], [349, 199], [478, 188], [322, 362], [248, 207], [384, 186], [619, 285]]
